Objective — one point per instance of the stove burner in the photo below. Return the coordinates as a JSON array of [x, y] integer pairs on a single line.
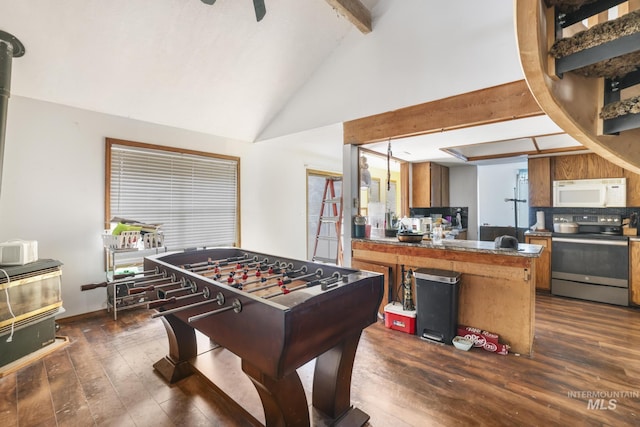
[[608, 225]]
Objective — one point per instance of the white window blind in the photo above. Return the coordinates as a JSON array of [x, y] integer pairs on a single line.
[[194, 197]]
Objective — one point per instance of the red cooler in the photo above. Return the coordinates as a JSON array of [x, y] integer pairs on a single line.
[[398, 319]]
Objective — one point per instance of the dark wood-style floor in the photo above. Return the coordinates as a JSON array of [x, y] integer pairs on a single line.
[[583, 352]]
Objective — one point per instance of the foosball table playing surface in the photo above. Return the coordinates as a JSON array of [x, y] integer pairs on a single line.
[[275, 314]]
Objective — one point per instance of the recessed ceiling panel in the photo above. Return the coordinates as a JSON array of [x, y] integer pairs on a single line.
[[495, 149], [554, 142]]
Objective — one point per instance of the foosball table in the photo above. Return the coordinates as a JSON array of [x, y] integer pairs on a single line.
[[274, 313]]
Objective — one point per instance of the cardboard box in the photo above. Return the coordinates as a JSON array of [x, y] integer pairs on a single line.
[[398, 319], [487, 340]]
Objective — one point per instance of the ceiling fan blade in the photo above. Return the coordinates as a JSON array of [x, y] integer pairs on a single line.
[[261, 10], [208, 1]]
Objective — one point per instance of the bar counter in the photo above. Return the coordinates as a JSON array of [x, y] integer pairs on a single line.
[[497, 286]]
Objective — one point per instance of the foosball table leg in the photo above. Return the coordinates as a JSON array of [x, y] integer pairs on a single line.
[[182, 348], [332, 384], [283, 400]]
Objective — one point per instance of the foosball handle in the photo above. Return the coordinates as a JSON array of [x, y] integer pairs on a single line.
[[93, 286], [133, 291], [159, 303]]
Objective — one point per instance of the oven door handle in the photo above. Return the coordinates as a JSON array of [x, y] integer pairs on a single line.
[[591, 241]]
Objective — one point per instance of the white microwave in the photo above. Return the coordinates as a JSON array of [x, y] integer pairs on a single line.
[[590, 193]]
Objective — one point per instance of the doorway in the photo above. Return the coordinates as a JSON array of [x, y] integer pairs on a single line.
[[324, 238]]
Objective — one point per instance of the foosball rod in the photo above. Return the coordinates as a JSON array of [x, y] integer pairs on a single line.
[[288, 280], [164, 301], [216, 273], [211, 262], [219, 299], [235, 306], [120, 281], [277, 264], [228, 267], [325, 283], [185, 286], [275, 276], [139, 290]]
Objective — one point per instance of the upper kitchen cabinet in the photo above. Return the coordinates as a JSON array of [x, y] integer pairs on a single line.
[[543, 170], [540, 182], [429, 185], [633, 195], [585, 166]]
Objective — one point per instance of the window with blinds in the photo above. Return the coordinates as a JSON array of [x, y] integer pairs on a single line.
[[194, 195]]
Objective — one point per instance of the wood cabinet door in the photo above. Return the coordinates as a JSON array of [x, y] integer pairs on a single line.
[[599, 167], [421, 185], [570, 167], [633, 188], [385, 270], [540, 182], [543, 263], [634, 273], [445, 186], [436, 185]]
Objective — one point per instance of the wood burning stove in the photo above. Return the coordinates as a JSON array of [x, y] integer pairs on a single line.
[[30, 298]]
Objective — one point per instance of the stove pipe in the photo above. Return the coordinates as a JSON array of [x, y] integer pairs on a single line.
[[10, 47]]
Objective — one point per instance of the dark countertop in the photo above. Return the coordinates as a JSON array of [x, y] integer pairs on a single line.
[[524, 250]]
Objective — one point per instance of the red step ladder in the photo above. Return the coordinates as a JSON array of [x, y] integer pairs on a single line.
[[330, 213]]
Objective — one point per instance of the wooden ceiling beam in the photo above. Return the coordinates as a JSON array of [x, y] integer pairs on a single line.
[[495, 104], [355, 12]]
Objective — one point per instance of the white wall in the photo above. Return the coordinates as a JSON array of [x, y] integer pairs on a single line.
[[496, 183], [53, 186], [463, 191], [400, 63], [275, 211]]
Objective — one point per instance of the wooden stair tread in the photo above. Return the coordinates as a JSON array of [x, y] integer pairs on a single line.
[[568, 5], [597, 35], [610, 49], [621, 108], [612, 68]]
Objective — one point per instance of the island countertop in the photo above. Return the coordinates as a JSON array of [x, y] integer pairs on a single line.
[[524, 250], [496, 289]]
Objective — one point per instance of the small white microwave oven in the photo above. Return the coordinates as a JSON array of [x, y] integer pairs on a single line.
[[18, 252], [590, 193]]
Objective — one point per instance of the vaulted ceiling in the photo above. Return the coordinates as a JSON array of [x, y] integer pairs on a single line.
[[183, 63], [214, 69]]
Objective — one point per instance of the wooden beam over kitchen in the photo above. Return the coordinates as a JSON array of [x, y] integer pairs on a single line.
[[495, 104], [355, 12]]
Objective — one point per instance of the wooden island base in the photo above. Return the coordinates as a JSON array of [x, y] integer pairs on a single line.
[[497, 288]]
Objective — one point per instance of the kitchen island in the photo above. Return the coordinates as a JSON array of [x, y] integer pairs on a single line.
[[497, 286]]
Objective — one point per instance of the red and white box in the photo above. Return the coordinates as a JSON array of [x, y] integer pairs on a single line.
[[487, 340], [398, 319]]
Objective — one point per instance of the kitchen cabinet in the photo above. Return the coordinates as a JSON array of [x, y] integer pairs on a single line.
[[543, 170], [540, 182], [569, 167], [584, 166], [599, 167], [497, 290], [543, 264], [633, 184], [634, 274], [386, 271], [429, 185]]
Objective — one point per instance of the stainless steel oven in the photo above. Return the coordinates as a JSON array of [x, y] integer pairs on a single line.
[[591, 265]]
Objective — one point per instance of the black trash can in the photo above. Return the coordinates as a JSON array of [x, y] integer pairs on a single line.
[[437, 304]]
